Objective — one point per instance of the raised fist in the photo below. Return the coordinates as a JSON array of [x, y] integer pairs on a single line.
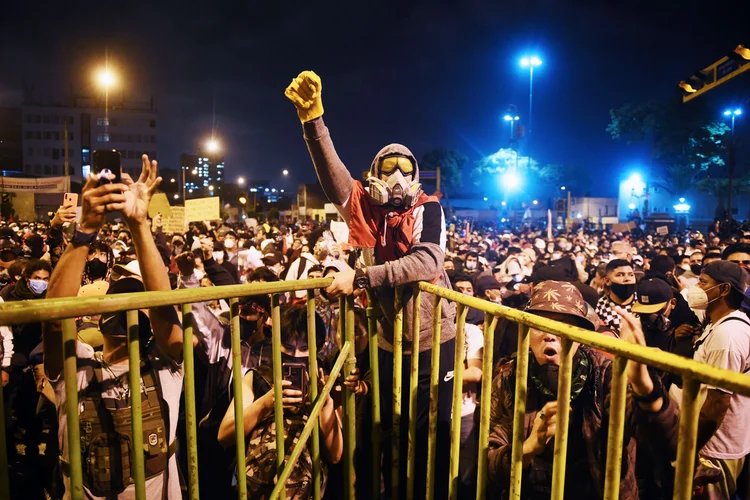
[[305, 93]]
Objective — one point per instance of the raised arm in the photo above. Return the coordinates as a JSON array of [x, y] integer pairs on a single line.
[[164, 320], [66, 277], [305, 92]]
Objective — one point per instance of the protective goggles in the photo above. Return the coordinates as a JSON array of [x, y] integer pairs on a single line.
[[390, 164]]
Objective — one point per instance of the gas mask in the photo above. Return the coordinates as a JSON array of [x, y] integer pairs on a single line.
[[395, 189]]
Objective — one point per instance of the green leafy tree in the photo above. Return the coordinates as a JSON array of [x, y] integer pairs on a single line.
[[451, 163], [684, 141]]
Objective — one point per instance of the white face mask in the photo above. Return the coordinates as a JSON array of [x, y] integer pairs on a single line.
[[697, 297], [471, 265], [229, 244], [218, 256], [116, 253], [556, 256], [198, 274]]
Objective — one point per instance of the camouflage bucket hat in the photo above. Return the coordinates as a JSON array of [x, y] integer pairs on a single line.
[[559, 297]]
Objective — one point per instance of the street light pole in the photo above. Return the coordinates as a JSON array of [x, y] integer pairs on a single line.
[[733, 114]]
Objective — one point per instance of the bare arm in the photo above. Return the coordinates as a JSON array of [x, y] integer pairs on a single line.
[[473, 372], [711, 416], [66, 277], [164, 320], [254, 411], [331, 429]]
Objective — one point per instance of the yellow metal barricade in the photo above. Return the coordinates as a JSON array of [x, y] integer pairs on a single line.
[[693, 373]]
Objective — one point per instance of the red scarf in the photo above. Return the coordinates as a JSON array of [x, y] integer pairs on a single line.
[[382, 227]]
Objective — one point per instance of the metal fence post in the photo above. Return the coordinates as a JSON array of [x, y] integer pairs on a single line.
[[70, 374], [350, 410], [312, 343], [239, 409], [690, 408], [413, 389], [398, 351], [372, 333], [563, 418], [434, 381], [278, 405], [458, 392], [134, 381], [617, 407], [519, 412], [484, 406], [4, 479], [191, 422]]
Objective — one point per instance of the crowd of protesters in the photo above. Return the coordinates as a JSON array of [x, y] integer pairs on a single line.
[[684, 293]]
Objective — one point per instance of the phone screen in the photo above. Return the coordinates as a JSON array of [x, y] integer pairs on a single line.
[[107, 160], [296, 374]]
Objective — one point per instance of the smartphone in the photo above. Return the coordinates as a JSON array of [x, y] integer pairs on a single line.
[[107, 160], [296, 373], [70, 200]]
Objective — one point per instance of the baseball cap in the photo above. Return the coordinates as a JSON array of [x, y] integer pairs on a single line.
[[129, 270], [653, 294], [724, 271], [272, 258], [559, 297], [95, 289], [486, 282]]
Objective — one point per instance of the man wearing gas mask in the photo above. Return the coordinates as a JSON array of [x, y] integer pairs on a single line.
[[401, 234]]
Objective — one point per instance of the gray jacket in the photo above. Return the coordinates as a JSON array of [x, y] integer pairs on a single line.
[[423, 262]]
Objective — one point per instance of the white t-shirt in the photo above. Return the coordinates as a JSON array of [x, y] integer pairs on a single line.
[[170, 377], [727, 345], [473, 348]]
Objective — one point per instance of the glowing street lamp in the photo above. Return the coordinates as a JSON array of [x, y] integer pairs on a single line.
[[530, 62], [106, 78], [733, 114], [240, 181], [535, 202], [243, 200], [285, 172], [176, 196], [212, 145], [511, 181]]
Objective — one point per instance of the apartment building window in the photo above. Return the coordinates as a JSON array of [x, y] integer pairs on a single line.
[[38, 135], [102, 138], [47, 170], [46, 152], [55, 154], [55, 119], [37, 118], [57, 136], [153, 139], [45, 119], [72, 170], [38, 169], [28, 135], [102, 121], [152, 123], [30, 151]]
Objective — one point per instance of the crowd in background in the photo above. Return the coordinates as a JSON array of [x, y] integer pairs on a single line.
[[598, 278]]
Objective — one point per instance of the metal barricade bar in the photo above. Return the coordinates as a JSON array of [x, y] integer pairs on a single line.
[[458, 392], [398, 358], [519, 411], [138, 467], [413, 390], [278, 404], [484, 406], [239, 408], [617, 407], [350, 410], [312, 342], [434, 381], [70, 374], [191, 421], [372, 334]]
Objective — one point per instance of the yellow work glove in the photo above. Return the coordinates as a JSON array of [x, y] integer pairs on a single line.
[[305, 93]]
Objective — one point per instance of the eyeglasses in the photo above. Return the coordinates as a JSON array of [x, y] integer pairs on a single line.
[[744, 263], [390, 164]]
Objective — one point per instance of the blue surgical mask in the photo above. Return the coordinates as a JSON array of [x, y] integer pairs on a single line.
[[38, 287]]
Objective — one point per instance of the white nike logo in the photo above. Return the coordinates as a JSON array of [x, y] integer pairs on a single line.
[[448, 376]]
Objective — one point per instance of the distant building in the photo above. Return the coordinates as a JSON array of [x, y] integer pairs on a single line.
[[11, 144], [203, 174], [127, 126]]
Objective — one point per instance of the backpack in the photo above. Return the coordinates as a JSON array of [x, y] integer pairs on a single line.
[[260, 459]]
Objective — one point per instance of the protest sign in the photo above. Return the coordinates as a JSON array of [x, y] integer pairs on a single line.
[[202, 209], [159, 205]]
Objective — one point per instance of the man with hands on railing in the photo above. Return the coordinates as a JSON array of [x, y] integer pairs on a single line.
[[401, 233], [102, 378], [646, 405]]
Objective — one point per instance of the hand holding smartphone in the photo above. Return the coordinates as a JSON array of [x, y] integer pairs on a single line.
[[106, 164], [296, 373]]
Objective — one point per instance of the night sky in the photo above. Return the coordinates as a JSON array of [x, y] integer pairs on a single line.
[[426, 74]]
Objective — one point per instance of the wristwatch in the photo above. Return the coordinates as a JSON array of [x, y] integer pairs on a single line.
[[81, 238], [361, 280]]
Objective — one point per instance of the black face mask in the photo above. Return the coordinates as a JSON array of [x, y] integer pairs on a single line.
[[623, 292], [516, 301], [696, 268], [657, 322], [450, 272], [96, 269]]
